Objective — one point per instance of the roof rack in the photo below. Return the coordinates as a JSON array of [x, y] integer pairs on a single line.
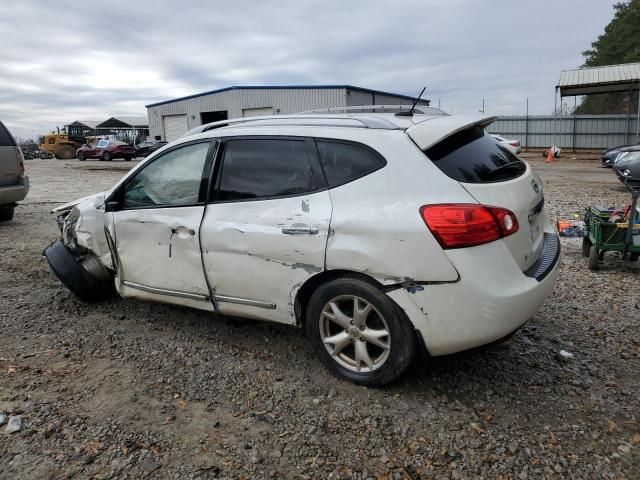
[[363, 116], [424, 109], [355, 121]]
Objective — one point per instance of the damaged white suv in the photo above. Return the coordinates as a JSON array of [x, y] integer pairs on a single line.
[[377, 233]]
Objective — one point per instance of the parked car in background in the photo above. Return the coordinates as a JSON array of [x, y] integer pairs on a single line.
[[608, 156], [106, 150], [148, 146], [512, 145], [627, 165], [378, 234], [14, 184]]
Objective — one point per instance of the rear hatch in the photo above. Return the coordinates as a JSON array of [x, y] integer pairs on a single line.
[[493, 175], [9, 163]]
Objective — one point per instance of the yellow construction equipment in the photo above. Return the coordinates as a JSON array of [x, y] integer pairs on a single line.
[[61, 145]]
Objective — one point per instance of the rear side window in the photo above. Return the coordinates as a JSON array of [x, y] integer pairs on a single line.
[[472, 156], [6, 140], [345, 162], [253, 169]]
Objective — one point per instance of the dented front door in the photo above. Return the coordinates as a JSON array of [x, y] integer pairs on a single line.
[[156, 228], [265, 232]]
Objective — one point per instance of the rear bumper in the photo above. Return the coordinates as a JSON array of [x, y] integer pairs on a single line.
[[14, 193], [492, 299]]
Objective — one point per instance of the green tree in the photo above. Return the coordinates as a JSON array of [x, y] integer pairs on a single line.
[[620, 43]]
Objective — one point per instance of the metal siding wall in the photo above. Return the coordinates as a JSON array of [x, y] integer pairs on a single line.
[[234, 101], [364, 98], [355, 98], [591, 131]]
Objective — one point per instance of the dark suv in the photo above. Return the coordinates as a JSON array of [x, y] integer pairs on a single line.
[[14, 184]]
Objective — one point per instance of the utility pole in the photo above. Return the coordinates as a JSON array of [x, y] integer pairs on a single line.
[[526, 128]]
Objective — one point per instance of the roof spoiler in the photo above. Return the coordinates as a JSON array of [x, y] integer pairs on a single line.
[[434, 130]]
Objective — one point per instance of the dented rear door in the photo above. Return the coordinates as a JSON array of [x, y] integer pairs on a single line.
[[265, 231]]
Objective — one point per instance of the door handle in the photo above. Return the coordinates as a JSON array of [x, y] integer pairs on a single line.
[[300, 231]]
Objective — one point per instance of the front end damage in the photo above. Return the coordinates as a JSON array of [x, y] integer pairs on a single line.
[[81, 258]]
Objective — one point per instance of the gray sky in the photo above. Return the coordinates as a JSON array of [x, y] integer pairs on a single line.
[[77, 60]]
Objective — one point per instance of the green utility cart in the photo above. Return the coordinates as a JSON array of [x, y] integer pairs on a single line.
[[605, 234]]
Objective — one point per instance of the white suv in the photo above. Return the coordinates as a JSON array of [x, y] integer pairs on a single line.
[[377, 233]]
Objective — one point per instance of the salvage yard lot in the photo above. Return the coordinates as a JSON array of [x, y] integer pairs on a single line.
[[124, 389]]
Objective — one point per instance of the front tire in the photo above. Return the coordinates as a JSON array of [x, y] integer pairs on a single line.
[[586, 246], [66, 153], [106, 156], [359, 333], [80, 156]]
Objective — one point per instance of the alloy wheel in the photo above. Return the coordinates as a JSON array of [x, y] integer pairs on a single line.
[[355, 334]]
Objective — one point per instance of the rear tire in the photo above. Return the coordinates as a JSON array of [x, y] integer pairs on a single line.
[[633, 257], [6, 213], [127, 159], [586, 246], [594, 259], [361, 352], [73, 276]]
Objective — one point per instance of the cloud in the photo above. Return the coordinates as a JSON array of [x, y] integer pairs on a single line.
[[79, 61]]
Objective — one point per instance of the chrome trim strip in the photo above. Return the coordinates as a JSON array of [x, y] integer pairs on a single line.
[[162, 291], [244, 301]]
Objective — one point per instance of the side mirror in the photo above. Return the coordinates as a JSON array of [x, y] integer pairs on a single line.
[[112, 206]]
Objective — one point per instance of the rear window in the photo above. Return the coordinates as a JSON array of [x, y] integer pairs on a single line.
[[6, 140], [471, 156]]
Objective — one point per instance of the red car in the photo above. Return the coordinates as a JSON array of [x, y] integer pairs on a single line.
[[106, 150]]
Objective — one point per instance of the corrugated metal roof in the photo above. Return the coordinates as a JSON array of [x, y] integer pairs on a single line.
[[284, 87], [134, 121], [86, 123], [127, 121], [595, 76]]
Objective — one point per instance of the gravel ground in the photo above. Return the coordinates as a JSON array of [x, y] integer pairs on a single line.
[[124, 389]]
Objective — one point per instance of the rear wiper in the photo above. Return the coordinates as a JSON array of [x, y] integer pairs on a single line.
[[503, 168]]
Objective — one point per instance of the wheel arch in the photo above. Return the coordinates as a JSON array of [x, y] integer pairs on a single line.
[[305, 291]]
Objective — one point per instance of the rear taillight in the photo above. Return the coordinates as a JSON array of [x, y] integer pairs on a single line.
[[20, 161], [515, 144], [459, 225]]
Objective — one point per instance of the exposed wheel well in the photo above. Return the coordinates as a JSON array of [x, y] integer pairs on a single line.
[[307, 289]]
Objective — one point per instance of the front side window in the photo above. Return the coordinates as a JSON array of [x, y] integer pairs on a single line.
[[254, 169], [345, 162], [174, 179]]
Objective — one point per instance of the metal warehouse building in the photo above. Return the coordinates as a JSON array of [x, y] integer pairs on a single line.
[[170, 119]]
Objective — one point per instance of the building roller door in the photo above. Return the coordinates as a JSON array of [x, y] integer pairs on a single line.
[[174, 127]]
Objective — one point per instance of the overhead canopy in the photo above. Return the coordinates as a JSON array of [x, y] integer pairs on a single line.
[[85, 124], [611, 78], [125, 122]]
